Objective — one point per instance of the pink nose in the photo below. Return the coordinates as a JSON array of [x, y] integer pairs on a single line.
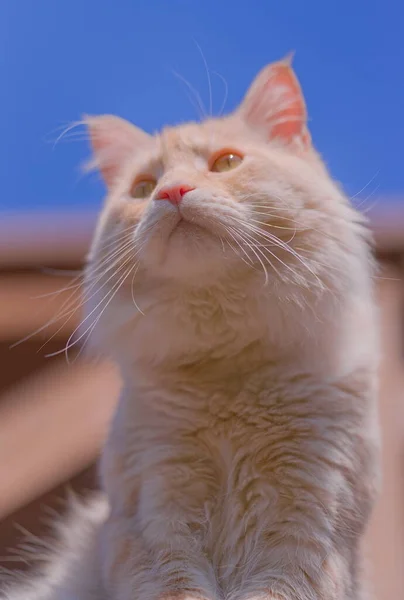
[[173, 193]]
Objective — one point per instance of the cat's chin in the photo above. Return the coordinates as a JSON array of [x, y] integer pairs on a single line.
[[188, 251]]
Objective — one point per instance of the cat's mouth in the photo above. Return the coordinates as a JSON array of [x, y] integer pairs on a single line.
[[185, 225], [187, 228]]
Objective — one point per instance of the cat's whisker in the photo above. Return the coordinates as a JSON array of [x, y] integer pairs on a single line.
[[123, 252], [299, 226], [199, 107], [226, 92], [66, 130], [222, 243], [72, 284], [68, 307], [112, 293], [250, 263], [116, 237], [236, 252], [276, 241], [261, 247], [131, 251], [264, 205], [287, 248], [369, 208], [254, 250], [69, 315], [113, 256], [365, 200], [73, 138], [95, 276], [294, 229], [96, 266], [59, 291], [365, 186], [61, 272], [270, 225], [71, 343], [279, 243], [208, 77], [132, 290], [86, 298]]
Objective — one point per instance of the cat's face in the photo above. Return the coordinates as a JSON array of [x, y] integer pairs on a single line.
[[240, 198], [200, 199], [203, 199]]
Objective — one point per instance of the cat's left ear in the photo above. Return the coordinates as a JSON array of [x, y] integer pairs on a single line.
[[275, 105], [114, 141]]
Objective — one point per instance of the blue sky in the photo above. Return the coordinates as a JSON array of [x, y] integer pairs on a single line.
[[60, 59]]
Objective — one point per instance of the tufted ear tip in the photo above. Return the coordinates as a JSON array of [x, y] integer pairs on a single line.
[[288, 58]]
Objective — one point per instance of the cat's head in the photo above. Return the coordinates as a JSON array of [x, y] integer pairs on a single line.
[[242, 198], [202, 197]]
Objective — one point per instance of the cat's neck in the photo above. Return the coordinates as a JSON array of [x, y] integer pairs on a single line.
[[228, 331], [184, 326]]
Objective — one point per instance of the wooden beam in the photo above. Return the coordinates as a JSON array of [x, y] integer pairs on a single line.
[[45, 239], [385, 540], [29, 301], [51, 427]]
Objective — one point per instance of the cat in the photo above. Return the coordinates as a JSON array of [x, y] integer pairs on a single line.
[[232, 282]]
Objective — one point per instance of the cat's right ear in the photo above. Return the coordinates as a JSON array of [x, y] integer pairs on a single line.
[[274, 105], [113, 141]]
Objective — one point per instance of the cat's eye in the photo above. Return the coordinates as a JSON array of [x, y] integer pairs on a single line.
[[226, 162], [143, 188]]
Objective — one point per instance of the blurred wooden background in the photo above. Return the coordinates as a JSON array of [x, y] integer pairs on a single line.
[[53, 416]]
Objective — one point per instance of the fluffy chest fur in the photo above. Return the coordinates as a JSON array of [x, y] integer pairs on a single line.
[[236, 475]]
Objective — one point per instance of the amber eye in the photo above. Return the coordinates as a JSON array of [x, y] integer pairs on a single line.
[[226, 162], [142, 188]]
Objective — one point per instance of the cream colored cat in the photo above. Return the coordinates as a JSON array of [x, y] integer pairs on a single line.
[[231, 280]]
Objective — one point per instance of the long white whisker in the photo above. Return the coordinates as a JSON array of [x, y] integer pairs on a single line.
[[253, 250], [292, 237], [112, 291], [365, 186], [65, 310], [52, 271], [85, 298], [69, 312], [250, 263], [273, 225], [200, 106], [132, 290], [299, 226], [277, 242], [226, 92], [69, 307], [96, 277], [259, 247], [99, 264], [66, 130], [92, 327], [208, 77]]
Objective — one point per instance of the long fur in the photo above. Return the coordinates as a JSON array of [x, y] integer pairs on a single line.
[[242, 461]]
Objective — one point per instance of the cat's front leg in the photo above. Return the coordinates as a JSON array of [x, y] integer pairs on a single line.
[[134, 569], [290, 579], [153, 544]]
